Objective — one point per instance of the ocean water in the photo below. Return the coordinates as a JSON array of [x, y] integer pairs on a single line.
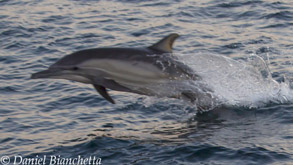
[[242, 49]]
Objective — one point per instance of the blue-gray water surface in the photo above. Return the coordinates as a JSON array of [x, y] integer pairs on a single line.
[[68, 119]]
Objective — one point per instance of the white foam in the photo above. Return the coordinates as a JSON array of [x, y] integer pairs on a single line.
[[239, 83]]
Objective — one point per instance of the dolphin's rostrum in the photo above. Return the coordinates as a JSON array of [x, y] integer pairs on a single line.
[[123, 69]]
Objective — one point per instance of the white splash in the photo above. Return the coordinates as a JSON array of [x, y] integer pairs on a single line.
[[239, 83]]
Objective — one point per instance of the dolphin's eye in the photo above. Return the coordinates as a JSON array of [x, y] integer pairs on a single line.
[[75, 68]]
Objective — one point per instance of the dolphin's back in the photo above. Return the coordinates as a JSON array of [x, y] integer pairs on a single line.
[[103, 53]]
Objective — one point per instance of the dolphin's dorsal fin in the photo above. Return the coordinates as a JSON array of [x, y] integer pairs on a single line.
[[166, 43], [103, 92]]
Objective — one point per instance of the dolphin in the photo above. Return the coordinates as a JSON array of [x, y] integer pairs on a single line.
[[124, 69]]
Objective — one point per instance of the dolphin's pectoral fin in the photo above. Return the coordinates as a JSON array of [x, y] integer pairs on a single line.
[[166, 43], [103, 92]]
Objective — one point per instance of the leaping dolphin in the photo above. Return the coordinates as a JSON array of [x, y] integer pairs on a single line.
[[123, 69]]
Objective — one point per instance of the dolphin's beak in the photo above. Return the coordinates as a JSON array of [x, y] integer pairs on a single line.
[[45, 74]]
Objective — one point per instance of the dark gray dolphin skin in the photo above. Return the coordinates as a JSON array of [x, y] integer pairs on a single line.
[[121, 69]]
